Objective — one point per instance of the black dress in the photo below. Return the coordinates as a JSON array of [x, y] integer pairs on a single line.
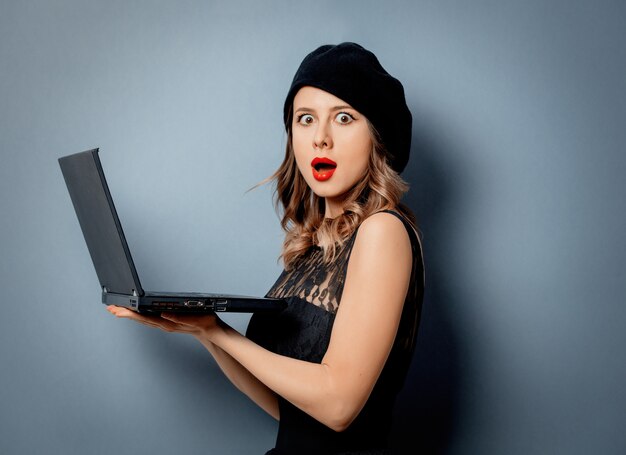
[[302, 331]]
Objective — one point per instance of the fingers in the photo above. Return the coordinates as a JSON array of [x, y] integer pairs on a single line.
[[169, 316], [196, 324], [166, 325], [191, 320], [120, 311]]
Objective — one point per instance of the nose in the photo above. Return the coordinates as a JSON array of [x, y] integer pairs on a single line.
[[322, 138]]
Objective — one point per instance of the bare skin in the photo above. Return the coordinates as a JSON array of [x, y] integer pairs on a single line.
[[325, 126], [335, 390]]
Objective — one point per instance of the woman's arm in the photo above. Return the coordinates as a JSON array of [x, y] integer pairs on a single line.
[[365, 326]]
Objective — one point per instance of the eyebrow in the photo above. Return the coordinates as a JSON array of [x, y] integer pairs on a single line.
[[335, 108]]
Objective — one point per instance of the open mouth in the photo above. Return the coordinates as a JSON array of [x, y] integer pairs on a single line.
[[323, 168]]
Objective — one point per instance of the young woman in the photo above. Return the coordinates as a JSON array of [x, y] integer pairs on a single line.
[[330, 365]]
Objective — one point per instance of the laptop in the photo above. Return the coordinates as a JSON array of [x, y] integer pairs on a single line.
[[111, 256]]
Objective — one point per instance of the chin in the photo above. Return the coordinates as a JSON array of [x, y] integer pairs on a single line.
[[327, 189], [328, 193]]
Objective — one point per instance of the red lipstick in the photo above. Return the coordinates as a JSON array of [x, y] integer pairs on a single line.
[[323, 168]]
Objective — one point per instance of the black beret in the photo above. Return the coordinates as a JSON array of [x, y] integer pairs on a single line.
[[355, 75]]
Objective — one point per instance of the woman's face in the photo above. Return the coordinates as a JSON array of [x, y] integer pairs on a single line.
[[331, 143]]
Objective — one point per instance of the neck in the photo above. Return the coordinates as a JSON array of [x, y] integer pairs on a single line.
[[333, 207]]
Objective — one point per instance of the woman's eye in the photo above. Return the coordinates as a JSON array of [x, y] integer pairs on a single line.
[[305, 119], [344, 118]]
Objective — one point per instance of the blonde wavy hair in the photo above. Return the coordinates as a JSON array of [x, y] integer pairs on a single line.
[[303, 211]]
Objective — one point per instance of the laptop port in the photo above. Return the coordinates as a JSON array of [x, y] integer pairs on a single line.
[[220, 305], [194, 303]]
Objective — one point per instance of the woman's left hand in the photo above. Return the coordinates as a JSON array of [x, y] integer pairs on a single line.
[[194, 324]]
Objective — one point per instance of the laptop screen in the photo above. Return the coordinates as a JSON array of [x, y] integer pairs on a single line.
[[99, 222]]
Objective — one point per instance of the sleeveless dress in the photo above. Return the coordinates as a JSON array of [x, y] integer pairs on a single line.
[[313, 292]]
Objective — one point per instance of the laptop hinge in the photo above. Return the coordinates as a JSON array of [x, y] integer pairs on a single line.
[[106, 291], [128, 301]]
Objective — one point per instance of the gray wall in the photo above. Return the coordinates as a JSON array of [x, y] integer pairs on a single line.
[[517, 178]]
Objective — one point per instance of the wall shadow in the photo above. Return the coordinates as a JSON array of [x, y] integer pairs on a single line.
[[427, 409]]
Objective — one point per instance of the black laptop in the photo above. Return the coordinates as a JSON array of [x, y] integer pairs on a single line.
[[111, 256]]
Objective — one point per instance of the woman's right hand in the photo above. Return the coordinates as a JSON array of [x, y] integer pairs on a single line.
[[202, 325]]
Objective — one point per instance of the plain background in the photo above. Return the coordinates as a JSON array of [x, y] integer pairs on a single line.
[[517, 176]]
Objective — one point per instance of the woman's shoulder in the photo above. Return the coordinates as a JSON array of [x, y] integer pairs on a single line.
[[388, 222], [384, 229]]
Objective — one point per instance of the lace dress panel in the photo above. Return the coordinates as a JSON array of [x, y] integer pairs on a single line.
[[313, 281], [302, 331]]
